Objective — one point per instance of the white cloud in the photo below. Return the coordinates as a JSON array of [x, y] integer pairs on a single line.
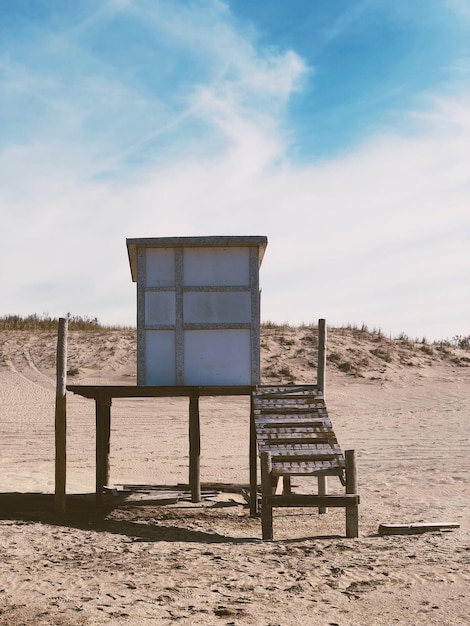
[[379, 236]]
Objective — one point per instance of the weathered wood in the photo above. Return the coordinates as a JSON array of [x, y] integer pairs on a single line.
[[352, 512], [321, 367], [285, 388], [266, 490], [266, 482], [194, 449], [106, 438], [301, 420], [291, 407], [322, 491], [153, 391], [61, 418], [290, 457], [103, 430], [296, 438], [416, 528], [313, 399], [315, 501], [310, 468], [317, 452], [98, 392], [253, 464]]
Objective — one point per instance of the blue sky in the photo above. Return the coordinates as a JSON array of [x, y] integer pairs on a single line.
[[338, 129]]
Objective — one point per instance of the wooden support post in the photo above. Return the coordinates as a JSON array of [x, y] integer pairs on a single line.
[[321, 366], [61, 419], [253, 463], [322, 491], [103, 431], [352, 512], [106, 439], [286, 485], [266, 490], [194, 448]]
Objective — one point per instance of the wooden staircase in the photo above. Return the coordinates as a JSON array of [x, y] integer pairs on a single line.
[[295, 437]]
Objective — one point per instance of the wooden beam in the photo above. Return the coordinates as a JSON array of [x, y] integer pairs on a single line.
[[414, 529], [352, 512], [321, 366], [296, 500], [194, 448], [266, 491], [253, 464], [61, 418], [322, 491], [159, 391], [103, 429]]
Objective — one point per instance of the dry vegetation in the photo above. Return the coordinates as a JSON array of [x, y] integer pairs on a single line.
[[356, 351], [288, 353]]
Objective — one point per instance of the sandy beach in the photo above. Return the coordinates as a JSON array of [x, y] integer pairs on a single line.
[[403, 406]]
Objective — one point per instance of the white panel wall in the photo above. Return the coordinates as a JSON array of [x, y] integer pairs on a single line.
[[216, 266], [160, 357], [160, 308], [217, 307], [217, 357], [160, 267]]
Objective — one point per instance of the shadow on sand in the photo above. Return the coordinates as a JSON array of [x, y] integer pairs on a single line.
[[138, 521], [83, 513]]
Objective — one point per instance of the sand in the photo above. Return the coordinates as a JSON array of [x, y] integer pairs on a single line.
[[404, 407]]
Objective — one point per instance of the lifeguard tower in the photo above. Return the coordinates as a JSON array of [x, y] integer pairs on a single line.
[[198, 334]]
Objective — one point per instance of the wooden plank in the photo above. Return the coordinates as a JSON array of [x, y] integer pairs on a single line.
[[296, 428], [308, 416], [301, 500], [292, 401], [300, 456], [61, 418], [322, 491], [284, 399], [285, 390], [266, 489], [194, 449], [159, 391], [281, 433], [417, 528], [289, 408], [296, 449], [287, 430], [352, 513], [301, 397], [274, 438], [321, 364], [304, 419], [297, 464], [333, 468], [103, 429], [253, 457], [301, 439]]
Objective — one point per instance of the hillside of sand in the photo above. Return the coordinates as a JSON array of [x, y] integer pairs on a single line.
[[403, 405]]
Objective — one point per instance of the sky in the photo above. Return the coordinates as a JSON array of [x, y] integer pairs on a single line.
[[338, 129]]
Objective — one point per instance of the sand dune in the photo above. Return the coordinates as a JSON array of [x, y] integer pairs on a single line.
[[404, 407]]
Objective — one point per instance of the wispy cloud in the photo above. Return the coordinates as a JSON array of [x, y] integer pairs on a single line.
[[380, 234]]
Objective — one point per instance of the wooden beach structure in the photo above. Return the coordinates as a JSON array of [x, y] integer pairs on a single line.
[[198, 335]]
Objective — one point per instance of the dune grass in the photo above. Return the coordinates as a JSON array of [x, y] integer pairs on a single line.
[[46, 322]]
